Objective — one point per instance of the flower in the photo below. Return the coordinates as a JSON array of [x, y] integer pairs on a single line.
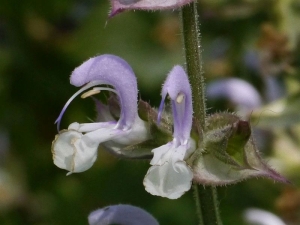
[[121, 214], [119, 6], [247, 99], [261, 217], [75, 149], [170, 176]]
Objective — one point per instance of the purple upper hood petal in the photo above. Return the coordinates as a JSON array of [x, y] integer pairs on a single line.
[[114, 71], [178, 87]]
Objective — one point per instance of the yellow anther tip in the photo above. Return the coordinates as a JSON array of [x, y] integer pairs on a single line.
[[180, 98], [90, 93]]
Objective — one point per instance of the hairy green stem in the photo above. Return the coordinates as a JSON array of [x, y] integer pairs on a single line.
[[205, 197], [207, 205], [191, 39]]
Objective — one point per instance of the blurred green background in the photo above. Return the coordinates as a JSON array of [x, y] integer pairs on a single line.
[[41, 42]]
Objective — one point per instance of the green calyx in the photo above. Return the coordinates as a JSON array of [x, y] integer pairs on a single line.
[[227, 153]]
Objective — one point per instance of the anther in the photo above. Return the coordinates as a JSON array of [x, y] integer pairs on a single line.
[[180, 98], [90, 93]]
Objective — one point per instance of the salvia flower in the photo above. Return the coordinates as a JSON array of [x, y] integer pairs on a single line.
[[170, 176], [261, 217], [122, 5], [121, 214], [247, 99], [75, 149]]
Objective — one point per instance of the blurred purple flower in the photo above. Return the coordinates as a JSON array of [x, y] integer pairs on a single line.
[[121, 214], [119, 6], [239, 92], [261, 217]]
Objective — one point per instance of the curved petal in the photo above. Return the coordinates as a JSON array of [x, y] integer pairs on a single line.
[[159, 154], [161, 107], [63, 150], [178, 87], [137, 135], [121, 5], [166, 182], [76, 152], [114, 71], [247, 99], [262, 217], [103, 112], [121, 214], [89, 127]]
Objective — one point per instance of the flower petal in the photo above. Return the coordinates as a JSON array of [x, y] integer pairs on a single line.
[[76, 152], [121, 214], [240, 93], [166, 182], [159, 154], [64, 159], [103, 112], [121, 5], [170, 176], [110, 70], [178, 87], [261, 217]]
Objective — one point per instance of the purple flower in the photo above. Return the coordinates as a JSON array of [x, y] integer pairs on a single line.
[[122, 5], [237, 91], [261, 217], [170, 176], [121, 214], [75, 149]]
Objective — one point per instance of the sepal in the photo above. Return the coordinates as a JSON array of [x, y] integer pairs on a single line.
[[228, 153]]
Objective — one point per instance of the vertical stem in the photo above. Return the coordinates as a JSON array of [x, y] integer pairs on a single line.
[[191, 39], [209, 205], [205, 197], [198, 204]]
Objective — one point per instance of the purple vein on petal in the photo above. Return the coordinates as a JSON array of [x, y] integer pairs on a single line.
[[161, 108]]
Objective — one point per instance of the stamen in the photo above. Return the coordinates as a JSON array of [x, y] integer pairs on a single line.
[[180, 98], [90, 93], [87, 86]]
